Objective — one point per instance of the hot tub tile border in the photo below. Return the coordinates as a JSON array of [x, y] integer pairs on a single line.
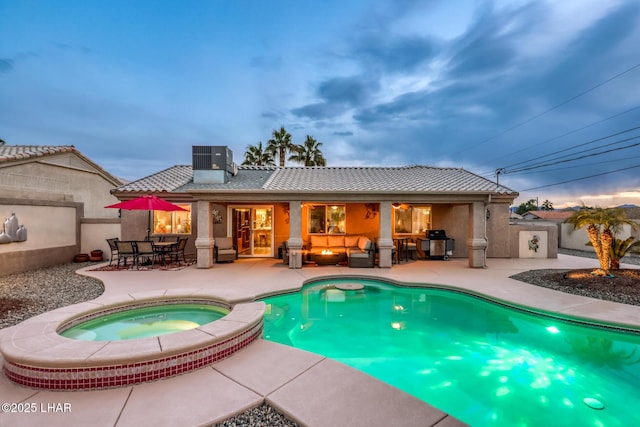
[[45, 371], [94, 378]]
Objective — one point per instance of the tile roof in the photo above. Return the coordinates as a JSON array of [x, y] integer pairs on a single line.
[[22, 152], [414, 178], [248, 178], [170, 179], [17, 153], [337, 179], [555, 214]]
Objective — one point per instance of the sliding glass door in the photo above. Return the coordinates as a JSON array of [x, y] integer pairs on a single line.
[[252, 230]]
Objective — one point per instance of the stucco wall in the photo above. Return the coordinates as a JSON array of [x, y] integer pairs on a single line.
[[454, 220], [571, 238], [94, 235], [55, 182], [498, 231], [516, 233], [53, 234], [280, 225]]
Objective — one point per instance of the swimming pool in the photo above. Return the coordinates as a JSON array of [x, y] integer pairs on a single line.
[[482, 362]]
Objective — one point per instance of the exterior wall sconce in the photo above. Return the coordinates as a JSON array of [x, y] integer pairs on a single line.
[[488, 214]]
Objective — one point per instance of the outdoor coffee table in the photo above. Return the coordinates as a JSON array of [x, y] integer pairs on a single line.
[[326, 258]]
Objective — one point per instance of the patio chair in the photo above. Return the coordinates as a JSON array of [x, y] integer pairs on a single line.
[[363, 258], [178, 249], [224, 251], [113, 247], [145, 252], [126, 250], [412, 249]]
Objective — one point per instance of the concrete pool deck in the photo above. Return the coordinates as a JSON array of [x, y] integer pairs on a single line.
[[308, 388]]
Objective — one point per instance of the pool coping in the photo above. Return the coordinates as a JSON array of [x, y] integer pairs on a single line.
[[289, 379], [583, 320], [37, 356]]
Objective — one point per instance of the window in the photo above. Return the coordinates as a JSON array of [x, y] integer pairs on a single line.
[[327, 219], [411, 219], [178, 222]]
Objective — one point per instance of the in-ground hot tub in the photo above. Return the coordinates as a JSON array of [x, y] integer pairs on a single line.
[[37, 356], [148, 320]]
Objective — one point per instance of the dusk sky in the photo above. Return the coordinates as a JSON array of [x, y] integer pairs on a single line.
[[549, 91]]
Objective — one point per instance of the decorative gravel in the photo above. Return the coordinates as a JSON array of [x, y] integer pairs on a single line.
[[24, 295], [262, 416], [624, 287]]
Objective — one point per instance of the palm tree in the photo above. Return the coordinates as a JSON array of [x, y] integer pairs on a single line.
[[280, 143], [308, 153], [257, 156], [602, 226], [619, 248], [529, 205]]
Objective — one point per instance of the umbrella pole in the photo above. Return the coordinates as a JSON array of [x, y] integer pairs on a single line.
[[149, 226]]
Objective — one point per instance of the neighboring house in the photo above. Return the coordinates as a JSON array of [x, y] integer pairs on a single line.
[[262, 207], [58, 195], [554, 215]]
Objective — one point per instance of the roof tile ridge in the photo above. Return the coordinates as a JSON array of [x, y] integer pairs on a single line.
[[272, 177], [144, 178]]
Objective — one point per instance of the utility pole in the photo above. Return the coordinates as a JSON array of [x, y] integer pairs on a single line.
[[498, 172]]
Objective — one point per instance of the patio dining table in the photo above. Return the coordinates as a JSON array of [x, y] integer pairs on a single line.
[[402, 251], [162, 249]]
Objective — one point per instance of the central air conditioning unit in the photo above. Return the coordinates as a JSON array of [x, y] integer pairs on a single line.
[[212, 164]]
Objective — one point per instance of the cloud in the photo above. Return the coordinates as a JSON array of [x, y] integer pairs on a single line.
[[343, 133], [351, 91], [338, 94], [399, 54], [6, 65], [320, 111]]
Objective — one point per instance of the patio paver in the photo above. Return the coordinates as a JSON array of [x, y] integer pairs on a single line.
[[307, 387]]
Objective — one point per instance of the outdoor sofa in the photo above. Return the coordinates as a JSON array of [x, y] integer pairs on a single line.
[[357, 250]]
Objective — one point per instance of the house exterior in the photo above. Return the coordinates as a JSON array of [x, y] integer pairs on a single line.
[[263, 207], [58, 195], [553, 215]]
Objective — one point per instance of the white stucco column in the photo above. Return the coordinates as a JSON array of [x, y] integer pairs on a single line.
[[477, 242], [204, 241], [295, 234], [385, 242]]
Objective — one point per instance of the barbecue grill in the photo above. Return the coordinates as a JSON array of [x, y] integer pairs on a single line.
[[437, 245]]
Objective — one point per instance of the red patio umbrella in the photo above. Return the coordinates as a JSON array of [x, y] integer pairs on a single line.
[[148, 202]]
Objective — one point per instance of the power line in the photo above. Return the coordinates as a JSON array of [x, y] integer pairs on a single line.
[[580, 179], [578, 166], [546, 141], [537, 166], [579, 145], [555, 107]]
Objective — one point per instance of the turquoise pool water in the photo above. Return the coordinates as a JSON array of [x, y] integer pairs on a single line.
[[145, 322], [484, 363]]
